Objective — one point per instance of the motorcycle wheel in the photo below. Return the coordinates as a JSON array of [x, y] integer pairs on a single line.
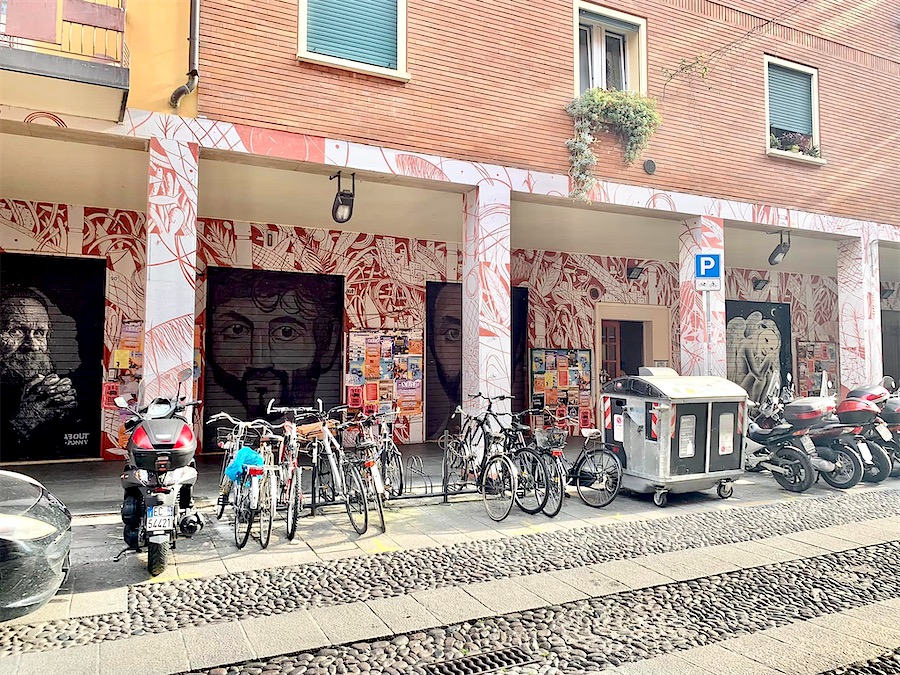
[[802, 474], [294, 505], [881, 464], [893, 449], [157, 558], [848, 470]]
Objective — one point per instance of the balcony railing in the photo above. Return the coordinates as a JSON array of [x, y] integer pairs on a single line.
[[89, 30]]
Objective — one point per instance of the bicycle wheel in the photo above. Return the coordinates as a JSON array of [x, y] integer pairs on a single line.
[[531, 483], [224, 486], [266, 511], [598, 477], [374, 496], [295, 503], [243, 515], [392, 471], [556, 486], [474, 438], [498, 486], [324, 479], [355, 499]]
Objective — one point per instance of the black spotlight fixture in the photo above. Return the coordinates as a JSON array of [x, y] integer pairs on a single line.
[[782, 249], [635, 272], [886, 293], [342, 210], [760, 284]]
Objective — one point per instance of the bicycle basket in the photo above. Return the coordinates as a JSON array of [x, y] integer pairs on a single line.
[[550, 438], [223, 435]]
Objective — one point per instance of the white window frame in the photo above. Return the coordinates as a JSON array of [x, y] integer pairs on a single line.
[[814, 93], [635, 50], [400, 73]]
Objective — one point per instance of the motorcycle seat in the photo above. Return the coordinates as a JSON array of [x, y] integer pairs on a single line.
[[760, 435]]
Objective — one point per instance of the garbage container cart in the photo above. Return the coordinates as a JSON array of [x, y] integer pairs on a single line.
[[675, 434]]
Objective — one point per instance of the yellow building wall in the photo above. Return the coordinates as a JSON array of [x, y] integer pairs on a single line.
[[157, 32]]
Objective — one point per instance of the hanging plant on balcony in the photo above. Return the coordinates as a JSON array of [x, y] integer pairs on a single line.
[[631, 116]]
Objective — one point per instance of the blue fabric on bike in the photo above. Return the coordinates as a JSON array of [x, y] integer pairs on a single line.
[[244, 457]]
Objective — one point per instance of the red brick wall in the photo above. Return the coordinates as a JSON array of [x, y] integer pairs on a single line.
[[490, 82]]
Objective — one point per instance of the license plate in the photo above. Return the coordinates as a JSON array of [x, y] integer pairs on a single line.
[[807, 443], [865, 452], [883, 432], [160, 518]]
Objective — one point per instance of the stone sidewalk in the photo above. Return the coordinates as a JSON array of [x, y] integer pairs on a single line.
[[438, 565]]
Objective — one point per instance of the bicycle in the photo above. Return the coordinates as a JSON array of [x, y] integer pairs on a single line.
[[532, 485], [230, 442], [335, 478], [368, 458], [389, 453], [254, 498], [596, 472]]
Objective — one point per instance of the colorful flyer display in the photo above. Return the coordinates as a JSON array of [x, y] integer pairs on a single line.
[[813, 360], [561, 380], [385, 371]]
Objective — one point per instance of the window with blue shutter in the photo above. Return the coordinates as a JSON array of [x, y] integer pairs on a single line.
[[364, 31], [790, 101]]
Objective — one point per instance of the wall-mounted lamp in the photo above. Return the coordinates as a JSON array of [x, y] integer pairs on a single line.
[[886, 293], [781, 250], [342, 210], [635, 272], [760, 284]]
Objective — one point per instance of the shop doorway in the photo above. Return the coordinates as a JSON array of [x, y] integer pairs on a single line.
[[890, 341], [443, 354], [622, 347]]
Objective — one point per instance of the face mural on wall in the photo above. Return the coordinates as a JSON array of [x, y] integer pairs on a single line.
[[272, 335], [51, 362], [758, 337]]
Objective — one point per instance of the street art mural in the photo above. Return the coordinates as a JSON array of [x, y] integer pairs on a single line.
[[272, 335], [51, 351], [758, 341]]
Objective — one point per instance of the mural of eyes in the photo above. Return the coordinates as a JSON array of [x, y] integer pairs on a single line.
[[236, 331], [287, 332]]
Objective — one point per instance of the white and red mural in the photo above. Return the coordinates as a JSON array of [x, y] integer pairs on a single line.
[[385, 277]]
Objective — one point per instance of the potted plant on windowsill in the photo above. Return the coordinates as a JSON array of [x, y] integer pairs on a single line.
[[631, 116], [794, 142]]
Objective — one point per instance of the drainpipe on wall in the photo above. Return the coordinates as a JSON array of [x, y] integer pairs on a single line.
[[193, 58]]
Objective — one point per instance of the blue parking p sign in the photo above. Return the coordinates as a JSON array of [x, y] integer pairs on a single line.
[[708, 271]]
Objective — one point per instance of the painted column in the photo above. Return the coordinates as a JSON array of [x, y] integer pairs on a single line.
[[701, 313], [859, 310], [486, 310], [171, 265]]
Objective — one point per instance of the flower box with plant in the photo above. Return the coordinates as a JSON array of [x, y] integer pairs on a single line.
[[792, 141], [631, 116]]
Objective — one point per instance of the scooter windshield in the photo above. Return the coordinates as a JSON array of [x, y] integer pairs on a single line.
[[159, 408]]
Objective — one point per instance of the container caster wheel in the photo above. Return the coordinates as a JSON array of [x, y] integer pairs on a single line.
[[725, 490], [661, 498]]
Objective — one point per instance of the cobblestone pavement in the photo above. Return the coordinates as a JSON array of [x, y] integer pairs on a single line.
[[592, 635], [163, 607]]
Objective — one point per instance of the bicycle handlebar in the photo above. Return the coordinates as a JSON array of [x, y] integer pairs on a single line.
[[501, 397]]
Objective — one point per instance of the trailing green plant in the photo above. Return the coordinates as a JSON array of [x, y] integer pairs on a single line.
[[631, 116]]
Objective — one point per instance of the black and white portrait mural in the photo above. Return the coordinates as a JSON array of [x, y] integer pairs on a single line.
[[51, 356], [758, 339], [443, 363], [272, 335]]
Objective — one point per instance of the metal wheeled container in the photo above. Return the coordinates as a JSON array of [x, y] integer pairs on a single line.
[[677, 434]]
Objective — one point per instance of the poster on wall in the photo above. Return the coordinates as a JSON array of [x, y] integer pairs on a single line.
[[813, 360], [384, 371], [758, 344], [561, 379], [51, 356], [272, 335]]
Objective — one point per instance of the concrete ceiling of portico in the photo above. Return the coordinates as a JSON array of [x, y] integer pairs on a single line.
[[74, 173]]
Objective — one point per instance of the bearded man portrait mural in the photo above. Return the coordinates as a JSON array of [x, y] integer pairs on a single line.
[[51, 362]]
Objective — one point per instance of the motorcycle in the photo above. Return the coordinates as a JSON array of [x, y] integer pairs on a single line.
[[877, 431], [159, 476], [772, 443]]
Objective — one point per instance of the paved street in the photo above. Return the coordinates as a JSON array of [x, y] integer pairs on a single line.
[[766, 582]]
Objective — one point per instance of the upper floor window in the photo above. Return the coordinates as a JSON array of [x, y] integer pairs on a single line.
[[612, 49], [792, 107], [366, 36]]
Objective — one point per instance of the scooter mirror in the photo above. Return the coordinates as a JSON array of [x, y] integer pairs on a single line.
[[185, 375], [888, 383], [120, 402]]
